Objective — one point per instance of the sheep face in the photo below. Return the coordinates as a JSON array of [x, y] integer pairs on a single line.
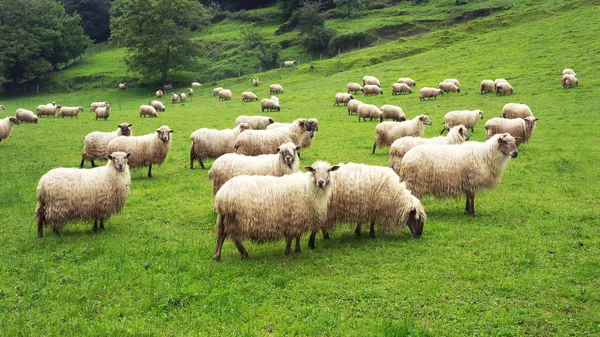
[[287, 153], [244, 126], [312, 125], [480, 114], [416, 221], [125, 129], [530, 121], [508, 145], [164, 133], [425, 120], [321, 173], [14, 120], [119, 160], [463, 132]]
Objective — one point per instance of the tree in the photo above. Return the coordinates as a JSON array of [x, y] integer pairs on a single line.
[[349, 5], [312, 27], [255, 42], [95, 17], [158, 34]]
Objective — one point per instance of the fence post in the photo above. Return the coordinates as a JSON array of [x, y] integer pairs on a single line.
[[24, 89], [50, 89], [37, 91], [102, 85], [339, 51]]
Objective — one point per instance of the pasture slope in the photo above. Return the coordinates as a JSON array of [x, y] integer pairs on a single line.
[[527, 265]]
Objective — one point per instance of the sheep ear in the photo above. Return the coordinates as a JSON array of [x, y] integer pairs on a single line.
[[157, 130], [128, 154], [171, 131], [517, 138], [110, 156], [129, 125], [309, 168], [298, 148], [277, 150], [537, 119], [334, 168]]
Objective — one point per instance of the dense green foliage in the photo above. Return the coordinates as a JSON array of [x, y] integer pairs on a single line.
[[95, 17], [253, 41]]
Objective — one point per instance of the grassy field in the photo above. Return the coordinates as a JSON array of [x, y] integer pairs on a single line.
[[527, 265]]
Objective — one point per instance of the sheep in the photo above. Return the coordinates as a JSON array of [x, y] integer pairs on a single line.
[[174, 98], [122, 85], [182, 97], [147, 150], [27, 116], [1, 107], [401, 88], [95, 143], [158, 105], [569, 71], [225, 95], [372, 90], [47, 110], [256, 142], [268, 208], [371, 194], [148, 110], [248, 96], [497, 81], [410, 82], [288, 64], [449, 87], [457, 135], [343, 98], [275, 89], [371, 80], [369, 110], [216, 91], [516, 110], [393, 112], [69, 111], [211, 143], [67, 194], [190, 92], [96, 105], [230, 165], [167, 87], [569, 81], [159, 94], [6, 125], [353, 106], [270, 104], [520, 128], [354, 87], [453, 80], [387, 132], [468, 118], [486, 86], [196, 85], [503, 88], [255, 122], [306, 139], [427, 92], [450, 170], [103, 112]]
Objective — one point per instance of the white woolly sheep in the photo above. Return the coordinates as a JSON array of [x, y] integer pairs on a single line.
[[103, 112], [353, 106], [174, 98], [486, 86], [255, 122], [275, 89], [6, 125], [122, 86], [159, 93], [96, 105], [342, 97], [69, 111], [370, 89], [408, 81], [230, 165], [288, 64], [453, 80], [211, 143], [449, 87], [354, 87], [196, 84], [190, 92], [569, 81], [182, 97], [387, 132], [427, 92], [393, 112], [401, 88], [67, 194], [167, 87], [256, 142], [371, 80], [147, 110], [248, 96], [255, 82], [225, 95], [27, 116], [146, 150], [497, 81], [369, 110], [520, 128], [268, 208], [95, 143], [516, 110], [569, 71], [451, 170], [158, 105], [1, 107], [305, 141], [503, 88], [47, 110], [468, 118], [216, 91], [270, 104]]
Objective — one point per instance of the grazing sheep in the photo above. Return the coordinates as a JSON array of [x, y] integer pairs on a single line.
[[6, 125], [96, 105], [275, 89], [372, 194], [47, 110], [216, 91], [457, 135], [159, 94], [167, 87], [372, 90], [211, 143], [256, 142], [369, 110], [343, 98], [146, 150], [103, 112], [255, 122], [387, 132], [95, 143], [371, 80], [407, 81], [288, 64], [270, 104], [225, 95], [353, 106], [69, 111], [27, 116], [450, 170], [248, 96], [67, 194], [148, 110], [354, 87], [486, 86], [196, 85], [503, 88], [122, 86], [453, 80], [468, 118], [449, 87], [569, 71], [255, 82], [158, 105], [393, 112], [247, 207], [569, 81], [516, 110], [401, 88], [174, 98], [1, 107], [230, 165], [427, 92], [497, 81], [305, 141], [190, 92], [182, 97], [520, 128]]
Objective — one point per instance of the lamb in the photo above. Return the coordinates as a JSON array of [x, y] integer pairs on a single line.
[[569, 71], [343, 98], [147, 110], [27, 116], [275, 89], [216, 91], [255, 122], [159, 94], [248, 96], [211, 143], [103, 112], [225, 95], [407, 81], [569, 81], [449, 87], [246, 207], [256, 142], [369, 110], [387, 132], [520, 128], [122, 86], [453, 80], [372, 194], [427, 92], [393, 112], [96, 105], [372, 90], [401, 88], [468, 118], [371, 80], [174, 98], [190, 92], [457, 135], [182, 97], [450, 170], [6, 125], [158, 105], [503, 88], [196, 85], [68, 194], [69, 111], [255, 82], [47, 110], [230, 165], [288, 64], [147, 150], [516, 110], [353, 106], [354, 87], [95, 143], [486, 86], [271, 104]]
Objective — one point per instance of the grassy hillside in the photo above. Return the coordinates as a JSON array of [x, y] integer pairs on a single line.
[[526, 265]]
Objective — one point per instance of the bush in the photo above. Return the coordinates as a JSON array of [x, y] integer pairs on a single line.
[[350, 41], [334, 14], [319, 38]]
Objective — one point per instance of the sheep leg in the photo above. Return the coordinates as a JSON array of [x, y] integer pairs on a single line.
[[102, 224], [40, 222], [470, 207], [472, 129], [221, 234], [82, 161], [288, 244], [372, 229], [95, 228], [201, 163], [55, 230], [241, 249], [325, 234], [311, 240], [297, 249], [150, 171], [93, 164], [374, 146], [358, 229]]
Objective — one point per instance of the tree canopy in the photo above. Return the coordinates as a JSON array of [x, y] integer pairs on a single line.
[[95, 17]]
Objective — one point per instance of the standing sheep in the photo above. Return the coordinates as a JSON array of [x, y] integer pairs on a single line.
[[69, 111], [159, 94], [26, 116], [387, 132], [569, 71], [306, 139], [370, 89], [256, 142], [451, 170], [354, 87], [486, 86], [268, 208], [147, 110], [47, 110], [288, 64], [225, 95], [255, 122], [1, 107], [392, 112], [498, 81], [503, 88], [174, 98], [216, 91], [158, 105], [95, 143], [196, 85], [343, 98], [122, 86], [401, 88], [353, 106], [408, 81], [520, 128], [255, 82], [371, 80], [454, 81], [103, 112], [67, 194], [271, 104], [182, 97], [427, 92], [449, 87], [248, 96], [369, 110], [516, 110], [167, 87], [146, 150], [468, 118], [569, 81], [211, 143], [190, 92], [275, 89], [6, 125], [95, 105]]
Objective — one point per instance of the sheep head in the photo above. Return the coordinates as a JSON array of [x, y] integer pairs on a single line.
[[14, 120], [244, 126], [508, 145], [424, 119], [125, 129], [416, 220], [530, 121], [321, 173], [287, 152], [164, 133], [118, 160]]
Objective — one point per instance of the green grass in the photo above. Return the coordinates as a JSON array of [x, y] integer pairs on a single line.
[[527, 265]]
